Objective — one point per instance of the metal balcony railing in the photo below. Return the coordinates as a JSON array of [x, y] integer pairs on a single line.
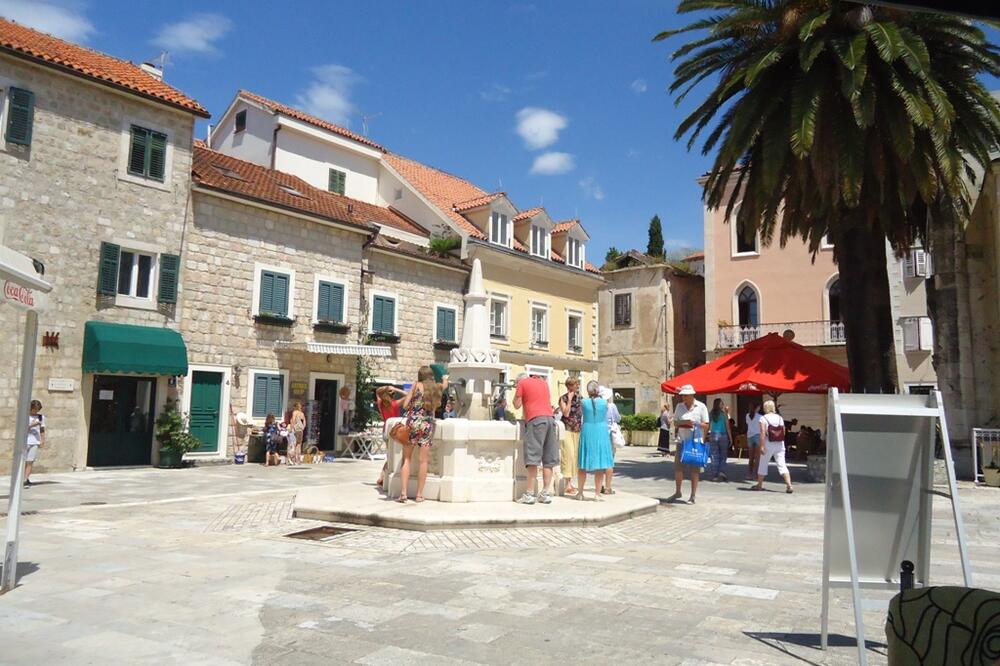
[[807, 333]]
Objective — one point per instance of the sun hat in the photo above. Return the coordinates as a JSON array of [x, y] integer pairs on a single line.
[[605, 393], [687, 389]]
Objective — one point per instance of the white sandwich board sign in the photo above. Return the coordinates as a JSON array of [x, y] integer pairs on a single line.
[[879, 491]]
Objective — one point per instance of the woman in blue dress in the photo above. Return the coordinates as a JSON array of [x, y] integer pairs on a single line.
[[595, 441]]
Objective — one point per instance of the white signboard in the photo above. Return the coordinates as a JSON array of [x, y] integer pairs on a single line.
[[61, 384], [879, 487]]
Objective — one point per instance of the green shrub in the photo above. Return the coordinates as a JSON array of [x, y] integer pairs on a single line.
[[443, 245], [645, 422]]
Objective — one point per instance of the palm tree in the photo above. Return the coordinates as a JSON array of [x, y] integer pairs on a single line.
[[833, 119]]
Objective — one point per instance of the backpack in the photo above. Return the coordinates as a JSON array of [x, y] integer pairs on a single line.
[[776, 433]]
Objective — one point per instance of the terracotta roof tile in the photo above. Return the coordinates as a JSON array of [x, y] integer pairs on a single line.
[[695, 256], [477, 202], [564, 226], [222, 172], [527, 214], [307, 118], [442, 189], [90, 64]]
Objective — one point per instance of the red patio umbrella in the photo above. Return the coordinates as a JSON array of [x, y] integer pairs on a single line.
[[770, 364]]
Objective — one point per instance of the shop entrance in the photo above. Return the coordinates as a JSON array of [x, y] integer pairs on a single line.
[[326, 394], [206, 404], [121, 421]]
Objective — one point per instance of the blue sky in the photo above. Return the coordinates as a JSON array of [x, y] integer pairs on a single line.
[[557, 103]]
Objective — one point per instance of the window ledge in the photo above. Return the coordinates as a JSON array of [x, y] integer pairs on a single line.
[[390, 338], [135, 303], [744, 255], [273, 320], [576, 350], [622, 327], [540, 344], [445, 344], [145, 182], [331, 327]]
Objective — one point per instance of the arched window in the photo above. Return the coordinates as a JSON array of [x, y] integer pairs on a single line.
[[833, 300], [748, 307]]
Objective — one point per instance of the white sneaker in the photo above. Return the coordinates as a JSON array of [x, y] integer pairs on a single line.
[[527, 498], [544, 497]]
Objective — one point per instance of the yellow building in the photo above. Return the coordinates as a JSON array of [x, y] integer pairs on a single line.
[[543, 293]]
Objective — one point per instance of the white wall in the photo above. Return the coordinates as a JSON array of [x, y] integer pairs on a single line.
[[311, 159], [252, 144], [410, 204]]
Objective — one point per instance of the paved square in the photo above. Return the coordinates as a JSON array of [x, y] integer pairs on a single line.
[[194, 566]]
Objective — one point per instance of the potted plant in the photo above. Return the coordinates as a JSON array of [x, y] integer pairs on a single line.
[[641, 429], [171, 432]]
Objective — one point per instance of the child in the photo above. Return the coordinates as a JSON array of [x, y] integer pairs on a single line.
[[35, 439], [271, 441]]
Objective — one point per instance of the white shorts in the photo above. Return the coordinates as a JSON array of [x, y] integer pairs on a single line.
[[31, 453], [774, 450]]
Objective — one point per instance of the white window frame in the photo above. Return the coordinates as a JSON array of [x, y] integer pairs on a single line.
[[614, 319], [125, 145], [506, 230], [315, 305], [541, 370], [734, 251], [570, 315], [137, 247], [575, 252], [544, 237], [290, 272], [917, 264], [536, 306], [443, 306], [395, 311], [505, 299], [285, 388], [825, 244], [918, 334]]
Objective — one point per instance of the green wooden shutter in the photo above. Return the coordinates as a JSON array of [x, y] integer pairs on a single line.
[[449, 325], [107, 272], [157, 155], [137, 151], [260, 384], [388, 318], [274, 402], [439, 335], [170, 265], [20, 116], [265, 304], [323, 301], [377, 314], [280, 300], [336, 303], [337, 181]]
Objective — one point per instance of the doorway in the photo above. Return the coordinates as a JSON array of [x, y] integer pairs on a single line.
[[206, 405], [326, 394], [121, 421]]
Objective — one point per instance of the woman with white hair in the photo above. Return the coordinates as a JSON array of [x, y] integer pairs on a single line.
[[595, 441], [772, 435], [614, 419]]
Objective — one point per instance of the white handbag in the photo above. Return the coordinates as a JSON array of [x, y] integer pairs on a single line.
[[617, 438]]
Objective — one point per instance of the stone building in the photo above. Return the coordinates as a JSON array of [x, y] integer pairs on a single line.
[[95, 164], [286, 285], [652, 326]]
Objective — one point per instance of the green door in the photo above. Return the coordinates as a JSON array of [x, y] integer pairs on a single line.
[[206, 401], [121, 421]]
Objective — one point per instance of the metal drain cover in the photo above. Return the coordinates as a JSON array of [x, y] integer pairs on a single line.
[[323, 533]]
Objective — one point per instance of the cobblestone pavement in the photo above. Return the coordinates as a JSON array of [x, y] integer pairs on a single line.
[[195, 567]]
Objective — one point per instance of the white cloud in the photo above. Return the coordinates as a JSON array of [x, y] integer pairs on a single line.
[[553, 164], [591, 188], [495, 93], [639, 86], [65, 21], [539, 127], [329, 94], [197, 34]]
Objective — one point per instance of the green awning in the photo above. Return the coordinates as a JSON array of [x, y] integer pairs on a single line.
[[142, 350]]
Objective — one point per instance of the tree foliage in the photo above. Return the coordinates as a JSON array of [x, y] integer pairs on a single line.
[[612, 254], [654, 247]]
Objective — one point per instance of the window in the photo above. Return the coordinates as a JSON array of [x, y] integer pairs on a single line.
[[329, 301], [147, 157], [241, 120], [625, 400], [918, 334], [268, 395], [575, 332], [338, 181], [623, 309], [835, 321], [917, 263], [539, 241], [445, 325], [498, 317], [539, 325], [574, 252], [383, 314], [272, 299], [500, 229], [746, 239], [20, 116], [833, 298], [130, 275], [748, 308]]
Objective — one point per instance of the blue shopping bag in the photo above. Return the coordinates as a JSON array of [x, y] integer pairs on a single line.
[[695, 451]]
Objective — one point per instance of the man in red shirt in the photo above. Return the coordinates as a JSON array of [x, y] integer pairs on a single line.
[[541, 435], [389, 409]]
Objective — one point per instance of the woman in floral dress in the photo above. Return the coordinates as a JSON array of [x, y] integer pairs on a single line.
[[420, 403]]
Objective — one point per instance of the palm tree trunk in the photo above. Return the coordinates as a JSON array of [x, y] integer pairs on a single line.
[[867, 315]]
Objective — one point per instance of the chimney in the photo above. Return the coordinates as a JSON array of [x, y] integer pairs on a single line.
[[152, 70]]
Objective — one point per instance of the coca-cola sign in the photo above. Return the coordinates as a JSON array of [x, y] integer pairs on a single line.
[[19, 294]]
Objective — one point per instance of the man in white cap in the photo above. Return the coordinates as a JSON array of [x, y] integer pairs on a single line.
[[689, 414]]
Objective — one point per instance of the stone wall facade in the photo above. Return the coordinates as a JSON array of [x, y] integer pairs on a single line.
[[60, 198]]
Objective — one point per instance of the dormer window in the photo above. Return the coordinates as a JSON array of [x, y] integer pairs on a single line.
[[574, 253], [539, 241], [500, 232]]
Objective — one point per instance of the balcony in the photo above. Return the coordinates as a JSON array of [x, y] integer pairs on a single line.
[[807, 333]]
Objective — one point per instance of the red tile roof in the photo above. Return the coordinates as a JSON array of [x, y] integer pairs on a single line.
[[695, 256], [564, 226], [526, 214], [291, 112], [87, 63], [477, 202], [222, 172], [442, 189]]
